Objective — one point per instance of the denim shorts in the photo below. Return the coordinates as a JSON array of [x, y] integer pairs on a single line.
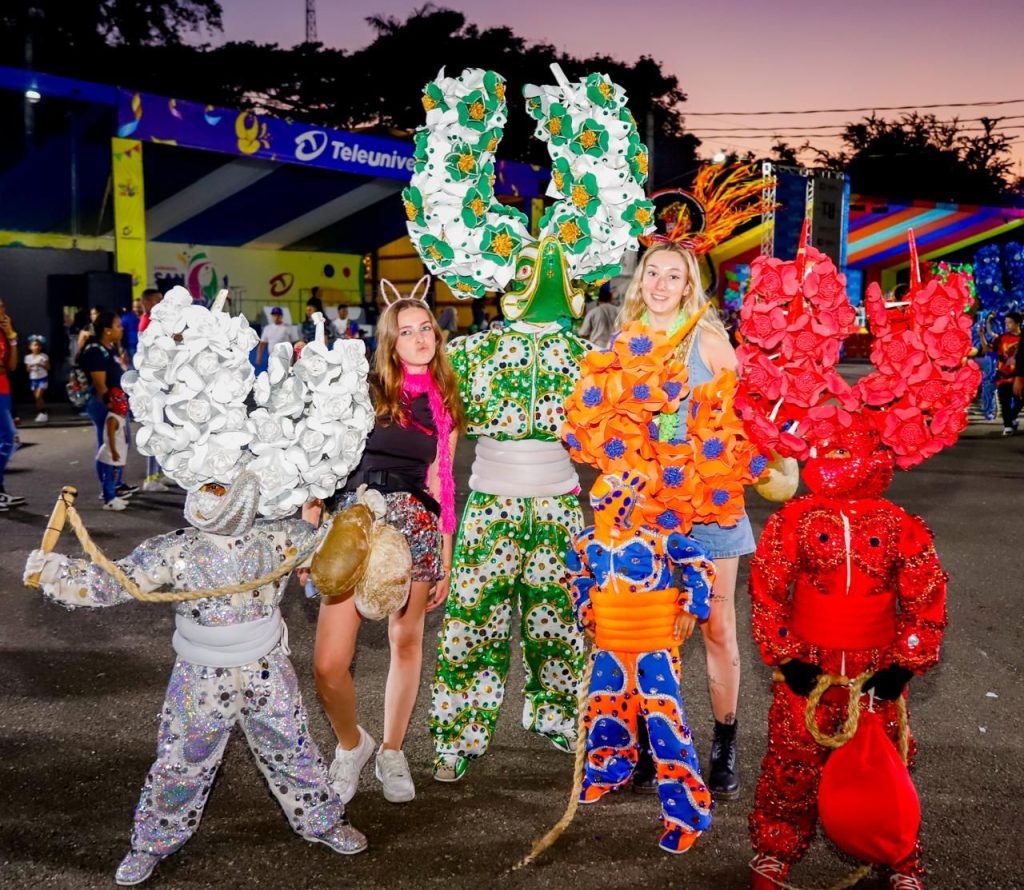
[[723, 543], [38, 383]]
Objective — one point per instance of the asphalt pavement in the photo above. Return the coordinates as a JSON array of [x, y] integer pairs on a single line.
[[80, 694]]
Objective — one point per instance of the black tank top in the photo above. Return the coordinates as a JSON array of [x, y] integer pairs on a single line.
[[408, 450]]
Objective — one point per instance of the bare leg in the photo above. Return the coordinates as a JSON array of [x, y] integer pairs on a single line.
[[336, 631], [405, 633], [720, 645]]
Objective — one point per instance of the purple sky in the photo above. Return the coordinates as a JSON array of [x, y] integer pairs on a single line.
[[789, 54]]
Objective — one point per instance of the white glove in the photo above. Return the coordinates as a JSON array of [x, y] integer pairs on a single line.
[[47, 565]]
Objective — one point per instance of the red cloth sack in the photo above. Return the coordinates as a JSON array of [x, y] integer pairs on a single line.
[[867, 802]]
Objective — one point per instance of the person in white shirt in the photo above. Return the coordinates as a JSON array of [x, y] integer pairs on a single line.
[[37, 363], [274, 333]]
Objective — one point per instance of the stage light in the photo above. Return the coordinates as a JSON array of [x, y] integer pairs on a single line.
[[33, 95]]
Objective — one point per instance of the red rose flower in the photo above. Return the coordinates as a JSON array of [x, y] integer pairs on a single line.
[[763, 323], [898, 354], [905, 432], [879, 388], [949, 347], [758, 373]]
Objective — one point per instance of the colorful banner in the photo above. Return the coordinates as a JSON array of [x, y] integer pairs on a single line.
[[191, 124], [129, 212]]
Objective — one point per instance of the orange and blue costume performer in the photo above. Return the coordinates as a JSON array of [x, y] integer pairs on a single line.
[[625, 595], [641, 584]]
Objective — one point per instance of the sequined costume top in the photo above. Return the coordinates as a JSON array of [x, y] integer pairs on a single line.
[[848, 584], [514, 381], [188, 559]]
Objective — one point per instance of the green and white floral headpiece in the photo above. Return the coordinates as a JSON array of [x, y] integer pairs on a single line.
[[599, 165]]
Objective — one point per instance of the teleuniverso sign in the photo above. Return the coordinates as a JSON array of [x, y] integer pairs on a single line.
[[311, 144]]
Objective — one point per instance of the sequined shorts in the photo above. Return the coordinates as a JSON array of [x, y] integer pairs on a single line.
[[419, 526]]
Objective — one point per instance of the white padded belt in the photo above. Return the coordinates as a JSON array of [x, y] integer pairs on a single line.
[[228, 645], [524, 468]]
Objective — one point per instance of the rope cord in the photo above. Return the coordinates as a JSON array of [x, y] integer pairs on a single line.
[[847, 732], [175, 596], [577, 780]]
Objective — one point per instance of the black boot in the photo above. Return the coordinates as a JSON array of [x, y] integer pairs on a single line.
[[645, 775], [723, 776]]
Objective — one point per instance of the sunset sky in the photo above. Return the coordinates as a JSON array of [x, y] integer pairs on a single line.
[[786, 55]]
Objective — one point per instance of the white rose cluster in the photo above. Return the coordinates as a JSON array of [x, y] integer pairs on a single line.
[[190, 393]]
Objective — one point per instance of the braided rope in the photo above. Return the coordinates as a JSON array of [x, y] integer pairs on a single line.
[[577, 780], [845, 734], [174, 596]]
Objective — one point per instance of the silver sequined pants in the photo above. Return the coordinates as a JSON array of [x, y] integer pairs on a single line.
[[202, 706]]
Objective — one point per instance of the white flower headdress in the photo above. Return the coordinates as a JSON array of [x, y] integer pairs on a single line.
[[205, 415]]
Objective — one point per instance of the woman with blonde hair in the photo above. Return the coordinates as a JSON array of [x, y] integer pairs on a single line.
[[408, 458], [665, 291]]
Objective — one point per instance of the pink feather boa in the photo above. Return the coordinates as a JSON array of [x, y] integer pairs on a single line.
[[414, 385]]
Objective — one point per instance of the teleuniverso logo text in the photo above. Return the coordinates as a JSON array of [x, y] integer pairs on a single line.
[[311, 144]]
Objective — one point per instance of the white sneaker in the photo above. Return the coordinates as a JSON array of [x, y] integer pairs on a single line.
[[116, 504], [392, 769], [154, 486], [344, 771], [10, 500], [42, 417]]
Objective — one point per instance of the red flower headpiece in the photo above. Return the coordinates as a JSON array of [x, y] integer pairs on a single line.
[[793, 321]]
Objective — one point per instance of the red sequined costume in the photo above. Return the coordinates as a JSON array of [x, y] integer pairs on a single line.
[[843, 581]]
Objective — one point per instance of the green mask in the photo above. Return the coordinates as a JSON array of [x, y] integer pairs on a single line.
[[542, 291]]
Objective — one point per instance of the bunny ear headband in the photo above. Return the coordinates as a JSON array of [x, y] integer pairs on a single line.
[[392, 295]]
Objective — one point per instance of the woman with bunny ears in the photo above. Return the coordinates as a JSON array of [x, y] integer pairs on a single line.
[[408, 458]]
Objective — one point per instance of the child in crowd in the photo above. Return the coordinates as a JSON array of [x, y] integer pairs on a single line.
[[37, 363], [113, 452]]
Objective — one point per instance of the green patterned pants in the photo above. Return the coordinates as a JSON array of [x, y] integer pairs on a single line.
[[510, 553]]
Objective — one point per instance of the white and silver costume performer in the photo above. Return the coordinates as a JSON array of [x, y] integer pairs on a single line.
[[301, 441]]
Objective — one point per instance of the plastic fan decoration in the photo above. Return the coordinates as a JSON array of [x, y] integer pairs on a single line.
[[611, 424], [793, 322], [721, 200]]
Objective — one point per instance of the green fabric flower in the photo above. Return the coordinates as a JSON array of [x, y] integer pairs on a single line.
[[420, 140], [500, 244], [476, 204], [601, 91], [558, 125], [583, 195], [464, 286], [435, 252], [433, 98], [626, 116], [489, 140], [534, 106], [494, 84], [636, 157], [592, 139], [570, 228], [475, 110], [640, 216], [561, 175], [412, 197], [461, 162]]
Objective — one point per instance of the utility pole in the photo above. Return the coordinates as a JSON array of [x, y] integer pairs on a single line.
[[310, 21]]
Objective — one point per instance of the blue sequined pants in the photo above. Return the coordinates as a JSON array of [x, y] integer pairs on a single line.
[[203, 705], [625, 687]]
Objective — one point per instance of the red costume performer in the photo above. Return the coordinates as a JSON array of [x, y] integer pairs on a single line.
[[843, 581]]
